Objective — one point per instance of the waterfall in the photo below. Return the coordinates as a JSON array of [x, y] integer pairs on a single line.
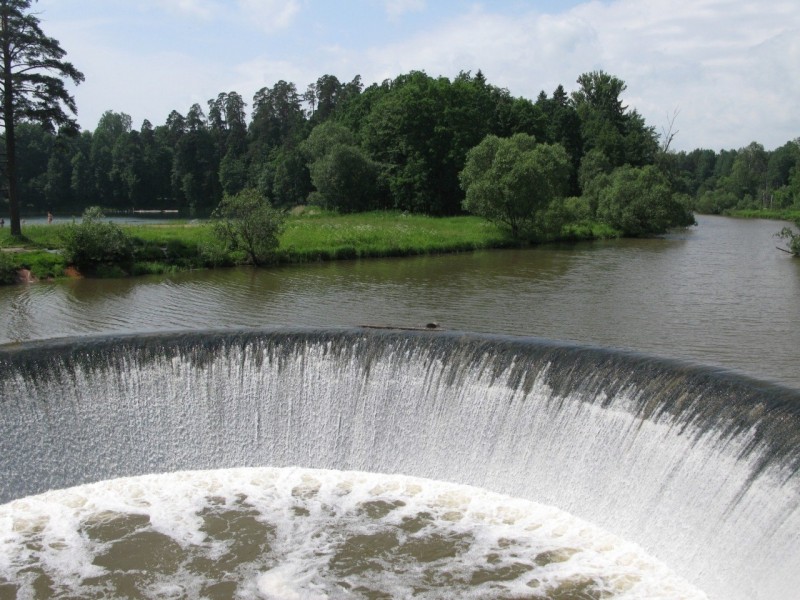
[[697, 466]]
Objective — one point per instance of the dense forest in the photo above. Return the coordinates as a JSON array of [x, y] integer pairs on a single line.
[[400, 144]]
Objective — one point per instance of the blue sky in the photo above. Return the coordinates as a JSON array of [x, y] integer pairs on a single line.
[[729, 69]]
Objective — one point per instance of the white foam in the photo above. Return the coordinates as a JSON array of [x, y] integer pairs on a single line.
[[488, 542]]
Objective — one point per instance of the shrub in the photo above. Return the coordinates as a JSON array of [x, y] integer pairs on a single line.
[[247, 222], [8, 270], [640, 202], [95, 246], [792, 239]]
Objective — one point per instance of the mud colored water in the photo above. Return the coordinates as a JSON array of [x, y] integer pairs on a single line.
[[298, 533], [719, 294]]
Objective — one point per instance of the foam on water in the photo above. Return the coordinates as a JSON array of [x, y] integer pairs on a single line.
[[306, 534]]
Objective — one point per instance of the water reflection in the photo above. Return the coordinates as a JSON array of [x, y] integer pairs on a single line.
[[719, 293]]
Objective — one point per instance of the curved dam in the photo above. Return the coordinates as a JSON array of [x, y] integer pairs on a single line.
[[696, 466]]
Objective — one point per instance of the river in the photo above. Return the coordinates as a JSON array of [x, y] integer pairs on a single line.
[[719, 294], [320, 460]]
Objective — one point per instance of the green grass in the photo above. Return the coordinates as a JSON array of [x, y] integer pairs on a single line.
[[766, 213], [309, 236], [326, 236], [34, 236], [589, 230]]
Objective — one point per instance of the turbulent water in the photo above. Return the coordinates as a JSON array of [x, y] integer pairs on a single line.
[[698, 468], [297, 533]]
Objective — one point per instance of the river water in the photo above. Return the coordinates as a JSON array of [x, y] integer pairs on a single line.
[[720, 294]]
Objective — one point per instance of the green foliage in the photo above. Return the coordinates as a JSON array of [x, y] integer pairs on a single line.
[[517, 183], [43, 265], [420, 128], [792, 239], [577, 209], [94, 245], [715, 202], [8, 268], [323, 138], [639, 201], [232, 173], [309, 235], [346, 179], [608, 126], [247, 222]]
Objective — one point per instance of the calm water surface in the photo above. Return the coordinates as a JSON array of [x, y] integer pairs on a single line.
[[719, 294]]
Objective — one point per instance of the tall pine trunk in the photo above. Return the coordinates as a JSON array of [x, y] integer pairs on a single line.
[[11, 144]]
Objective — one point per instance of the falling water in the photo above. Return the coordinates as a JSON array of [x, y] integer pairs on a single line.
[[697, 467]]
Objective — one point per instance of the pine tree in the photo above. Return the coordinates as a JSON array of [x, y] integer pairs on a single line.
[[32, 86]]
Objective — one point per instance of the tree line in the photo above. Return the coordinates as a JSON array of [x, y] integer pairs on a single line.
[[399, 145], [745, 178]]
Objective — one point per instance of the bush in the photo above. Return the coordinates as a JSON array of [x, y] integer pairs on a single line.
[[577, 209], [517, 183], [640, 202], [715, 202], [247, 222], [95, 246], [792, 239], [8, 270]]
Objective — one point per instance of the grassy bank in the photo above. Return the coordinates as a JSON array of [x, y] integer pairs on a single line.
[[766, 213], [308, 237]]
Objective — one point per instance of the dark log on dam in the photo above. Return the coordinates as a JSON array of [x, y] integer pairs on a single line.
[[696, 466]]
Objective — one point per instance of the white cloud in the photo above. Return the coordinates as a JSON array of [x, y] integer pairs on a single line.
[[526, 54], [203, 9], [719, 61], [269, 15], [153, 85], [397, 8]]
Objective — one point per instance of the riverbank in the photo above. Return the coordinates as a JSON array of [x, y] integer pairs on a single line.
[[766, 213], [308, 237]]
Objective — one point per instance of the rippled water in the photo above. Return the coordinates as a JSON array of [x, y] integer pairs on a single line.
[[719, 293]]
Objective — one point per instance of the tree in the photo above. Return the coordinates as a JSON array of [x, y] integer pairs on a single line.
[[748, 178], [563, 126], [323, 97], [346, 179], [157, 159], [516, 182], [228, 127], [111, 127], [639, 201], [195, 169], [247, 222], [278, 117], [32, 85], [608, 125], [792, 239]]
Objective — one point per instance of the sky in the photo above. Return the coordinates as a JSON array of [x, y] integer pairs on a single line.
[[724, 73]]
